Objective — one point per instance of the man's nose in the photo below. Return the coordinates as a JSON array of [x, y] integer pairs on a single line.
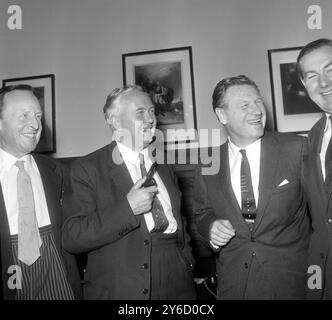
[[255, 108], [34, 122], [150, 118], [323, 80]]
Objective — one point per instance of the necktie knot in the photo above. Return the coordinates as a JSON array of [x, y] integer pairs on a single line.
[[19, 164], [243, 152]]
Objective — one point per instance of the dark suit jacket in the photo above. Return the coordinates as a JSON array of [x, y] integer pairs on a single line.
[[102, 223], [270, 261], [320, 205], [53, 182]]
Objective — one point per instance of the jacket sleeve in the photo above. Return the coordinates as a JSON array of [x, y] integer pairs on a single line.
[[90, 222], [204, 214]]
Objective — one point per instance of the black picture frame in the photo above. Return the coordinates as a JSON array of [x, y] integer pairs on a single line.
[[44, 87]]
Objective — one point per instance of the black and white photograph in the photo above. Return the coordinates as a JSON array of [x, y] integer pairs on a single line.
[[164, 155]]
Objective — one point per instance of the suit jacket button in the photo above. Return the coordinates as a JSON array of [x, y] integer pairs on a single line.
[[146, 242], [145, 266], [246, 265], [145, 291]]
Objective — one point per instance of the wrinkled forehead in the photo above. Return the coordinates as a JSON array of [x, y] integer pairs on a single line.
[[21, 99], [317, 57], [135, 100], [241, 92]]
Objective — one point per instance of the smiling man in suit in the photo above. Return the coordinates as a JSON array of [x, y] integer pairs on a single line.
[[253, 211], [136, 242], [33, 264], [315, 70]]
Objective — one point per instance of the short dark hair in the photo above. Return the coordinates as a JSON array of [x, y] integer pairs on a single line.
[[222, 86], [311, 46], [6, 89]]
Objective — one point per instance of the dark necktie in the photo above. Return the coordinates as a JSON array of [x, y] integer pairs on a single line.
[[247, 194], [28, 234], [158, 214], [328, 160]]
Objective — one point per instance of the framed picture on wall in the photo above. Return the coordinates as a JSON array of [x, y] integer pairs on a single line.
[[44, 89], [167, 76], [293, 110]]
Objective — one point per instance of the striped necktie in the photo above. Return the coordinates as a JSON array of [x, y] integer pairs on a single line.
[[158, 213], [248, 207]]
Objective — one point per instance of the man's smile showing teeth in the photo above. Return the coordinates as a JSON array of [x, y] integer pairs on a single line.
[[29, 135], [257, 121], [329, 93]]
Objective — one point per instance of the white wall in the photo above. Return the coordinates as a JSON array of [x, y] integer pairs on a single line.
[[81, 42]]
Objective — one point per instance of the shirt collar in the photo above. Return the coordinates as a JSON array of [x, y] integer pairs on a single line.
[[7, 160], [127, 154], [251, 148], [327, 124], [131, 156]]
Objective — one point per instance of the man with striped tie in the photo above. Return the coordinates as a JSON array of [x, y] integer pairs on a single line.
[[253, 212], [136, 242], [315, 70], [33, 264]]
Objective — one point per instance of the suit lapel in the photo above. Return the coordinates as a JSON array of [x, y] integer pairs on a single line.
[[268, 167], [315, 162], [171, 189], [224, 184], [118, 170], [120, 175], [53, 189], [317, 144]]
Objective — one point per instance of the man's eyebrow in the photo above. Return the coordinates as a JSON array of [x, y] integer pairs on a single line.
[[329, 64]]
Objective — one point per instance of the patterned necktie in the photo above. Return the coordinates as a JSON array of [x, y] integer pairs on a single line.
[[29, 240], [328, 160], [247, 194], [158, 214]]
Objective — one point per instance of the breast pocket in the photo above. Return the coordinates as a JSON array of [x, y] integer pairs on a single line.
[[286, 187]]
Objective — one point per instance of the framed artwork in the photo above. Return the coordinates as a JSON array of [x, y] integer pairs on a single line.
[[167, 76], [44, 89], [293, 110]]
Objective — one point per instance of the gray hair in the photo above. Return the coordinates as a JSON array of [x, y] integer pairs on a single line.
[[115, 95]]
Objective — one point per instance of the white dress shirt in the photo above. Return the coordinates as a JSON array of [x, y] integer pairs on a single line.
[[8, 179], [325, 144], [253, 152], [131, 159]]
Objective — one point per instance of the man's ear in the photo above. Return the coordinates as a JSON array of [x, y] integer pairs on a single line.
[[221, 115], [112, 121]]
